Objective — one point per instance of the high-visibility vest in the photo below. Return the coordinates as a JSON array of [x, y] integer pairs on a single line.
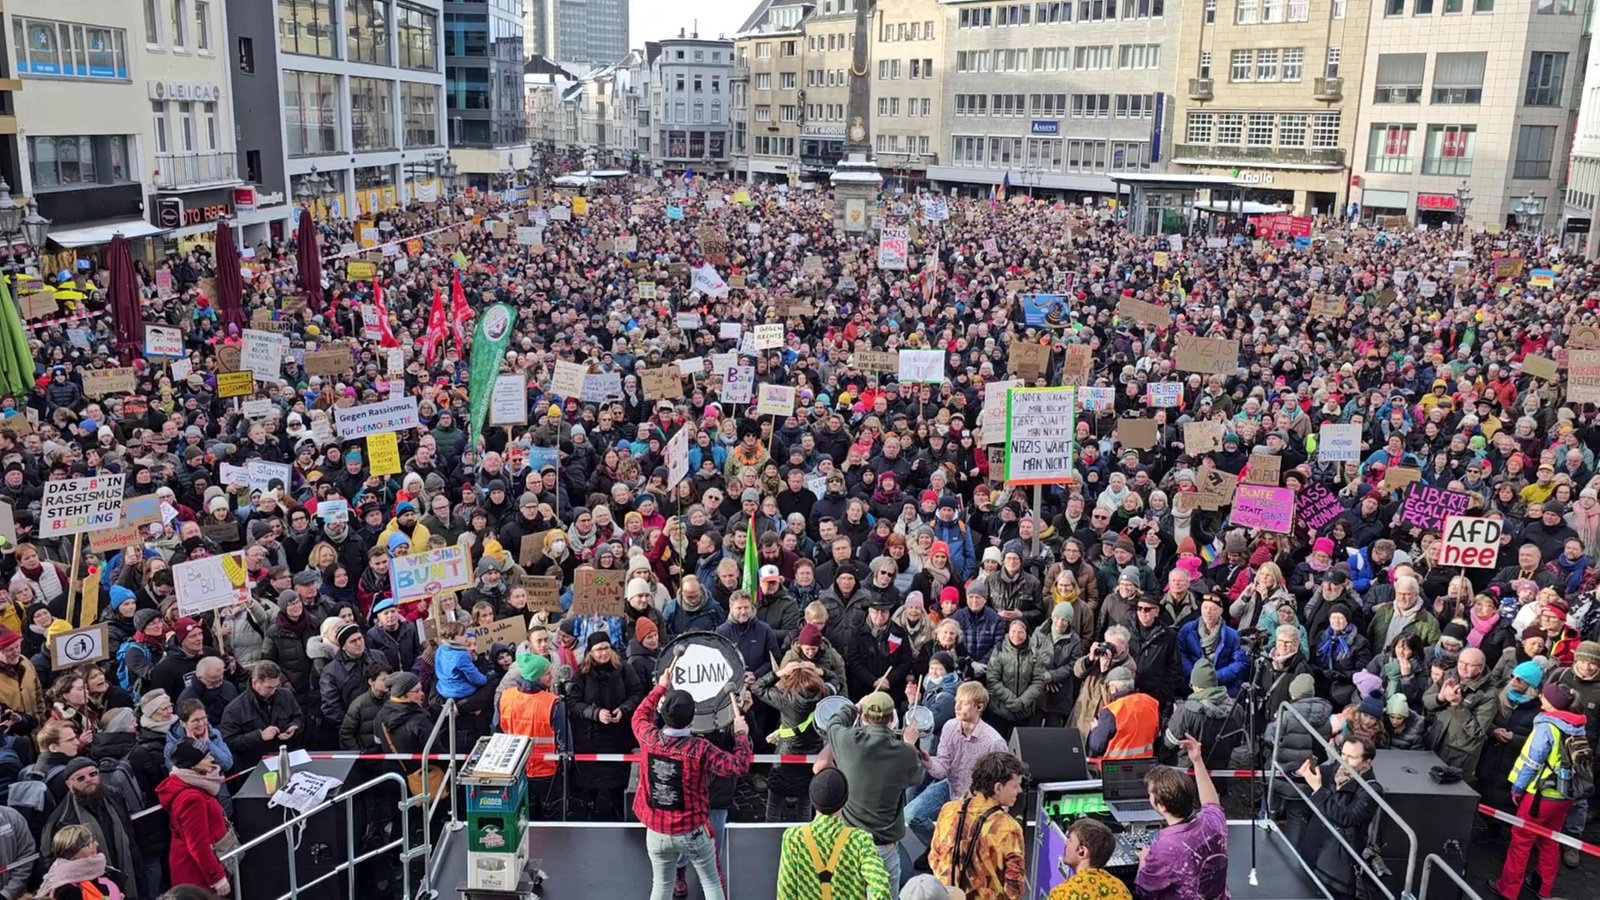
[[528, 714], [1138, 718], [1545, 770]]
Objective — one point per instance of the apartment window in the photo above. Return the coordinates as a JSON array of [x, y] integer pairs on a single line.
[[1266, 65], [1097, 10], [1389, 149], [927, 107], [306, 27], [1246, 13], [927, 67], [1453, 6], [786, 81], [158, 122], [1458, 78], [1325, 130], [1200, 127], [371, 112], [64, 162], [1422, 8], [716, 84], [1400, 78], [1338, 8], [180, 24], [208, 119], [763, 81], [1546, 76], [1211, 12], [1139, 56], [1135, 106], [202, 26], [967, 150], [1004, 61], [1086, 156], [247, 55], [1051, 59], [1003, 104], [763, 113], [1483, 6], [1049, 13], [1143, 9], [1272, 11], [1258, 132], [1299, 10], [883, 106], [1005, 151], [152, 16], [1230, 129], [1128, 155], [417, 34], [367, 31], [1449, 150], [787, 48], [699, 112], [311, 113], [764, 50], [680, 82], [419, 114], [1394, 7], [1536, 145], [1241, 65], [1294, 63], [1098, 57], [1205, 63], [41, 47], [1091, 106], [1292, 130], [1330, 67]]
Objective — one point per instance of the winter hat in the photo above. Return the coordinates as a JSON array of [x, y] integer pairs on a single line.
[[1372, 705], [944, 658], [1588, 650], [119, 719], [939, 547], [597, 638], [401, 683], [1398, 706], [644, 627], [182, 627], [1302, 686], [1322, 545], [677, 709], [307, 577], [78, 764], [993, 554], [1559, 695], [1062, 610], [810, 636], [532, 666], [345, 633], [150, 700], [141, 621], [1532, 631], [637, 586], [381, 605], [1366, 682], [1203, 675], [1125, 543], [186, 754], [396, 541], [1130, 573], [1455, 631], [1190, 564], [828, 791], [924, 887], [949, 594], [915, 599], [1530, 672], [1187, 547]]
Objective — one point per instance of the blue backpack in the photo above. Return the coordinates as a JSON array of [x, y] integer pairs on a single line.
[[129, 683]]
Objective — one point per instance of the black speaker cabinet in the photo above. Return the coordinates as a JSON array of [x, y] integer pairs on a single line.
[[318, 849], [1440, 814], [1052, 754]]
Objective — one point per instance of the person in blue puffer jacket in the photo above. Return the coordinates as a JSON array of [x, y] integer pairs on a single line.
[[949, 528], [457, 677]]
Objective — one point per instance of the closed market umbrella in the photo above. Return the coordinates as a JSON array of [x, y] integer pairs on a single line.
[[230, 284], [16, 360], [309, 260], [125, 302]]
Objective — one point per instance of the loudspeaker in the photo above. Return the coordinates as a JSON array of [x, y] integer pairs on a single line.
[[320, 844], [1052, 754], [1440, 814]]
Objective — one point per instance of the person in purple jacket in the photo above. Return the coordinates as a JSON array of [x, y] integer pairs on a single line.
[[1189, 858]]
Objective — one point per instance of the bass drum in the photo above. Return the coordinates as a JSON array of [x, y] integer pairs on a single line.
[[709, 668]]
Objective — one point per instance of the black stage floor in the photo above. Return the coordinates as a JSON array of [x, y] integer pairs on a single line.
[[587, 862]]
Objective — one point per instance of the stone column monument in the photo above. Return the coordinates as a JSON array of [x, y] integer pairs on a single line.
[[856, 180]]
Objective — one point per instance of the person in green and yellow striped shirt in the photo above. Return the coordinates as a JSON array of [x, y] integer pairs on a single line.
[[826, 859]]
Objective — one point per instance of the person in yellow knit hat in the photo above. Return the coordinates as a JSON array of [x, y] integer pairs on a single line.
[[826, 859]]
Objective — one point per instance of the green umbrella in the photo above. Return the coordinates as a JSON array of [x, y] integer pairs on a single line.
[[16, 360]]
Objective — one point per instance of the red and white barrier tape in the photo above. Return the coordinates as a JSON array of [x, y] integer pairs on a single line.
[[575, 757], [1517, 821], [62, 320]]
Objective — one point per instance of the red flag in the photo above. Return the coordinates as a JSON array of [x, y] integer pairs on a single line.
[[460, 313], [388, 338], [435, 333]]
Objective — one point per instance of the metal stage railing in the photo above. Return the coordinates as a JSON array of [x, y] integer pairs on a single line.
[[1428, 865]]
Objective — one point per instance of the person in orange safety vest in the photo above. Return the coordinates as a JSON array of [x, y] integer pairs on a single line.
[[531, 709], [1127, 727]]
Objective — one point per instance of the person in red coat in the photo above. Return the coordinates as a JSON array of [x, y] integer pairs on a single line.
[[189, 795]]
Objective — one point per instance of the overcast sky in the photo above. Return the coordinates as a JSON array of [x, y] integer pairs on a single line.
[[652, 20]]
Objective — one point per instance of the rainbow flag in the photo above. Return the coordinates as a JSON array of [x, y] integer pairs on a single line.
[[1005, 185]]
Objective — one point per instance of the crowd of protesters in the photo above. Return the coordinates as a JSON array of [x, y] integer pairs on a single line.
[[892, 564]]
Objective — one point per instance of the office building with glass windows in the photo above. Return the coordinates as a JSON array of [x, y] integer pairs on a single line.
[[483, 59]]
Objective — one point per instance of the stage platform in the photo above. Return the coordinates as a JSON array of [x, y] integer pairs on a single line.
[[589, 861]]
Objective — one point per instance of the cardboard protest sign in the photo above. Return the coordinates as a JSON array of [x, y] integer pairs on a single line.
[[1263, 507], [1139, 434], [596, 592], [875, 360], [328, 362], [1208, 356], [1028, 359], [1540, 367], [1316, 507], [103, 382], [1328, 307], [1039, 433], [1158, 317], [663, 383], [1427, 507], [1216, 487], [544, 592], [420, 575], [1264, 468], [1078, 365], [531, 550], [1203, 437], [1398, 477], [511, 631]]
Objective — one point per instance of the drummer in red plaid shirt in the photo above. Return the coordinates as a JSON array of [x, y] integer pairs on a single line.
[[671, 800]]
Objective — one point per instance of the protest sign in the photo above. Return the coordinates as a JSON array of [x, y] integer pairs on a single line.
[[80, 505], [1098, 399], [1470, 541], [112, 540], [1164, 394], [544, 592], [567, 380], [80, 647], [1427, 507], [508, 401], [328, 362], [159, 341], [1317, 507], [510, 631], [394, 414], [1328, 307], [1263, 507], [420, 575], [1078, 365], [677, 457], [1264, 468], [598, 387], [1138, 434], [1339, 443], [738, 384], [1036, 308], [769, 337], [1039, 433], [1540, 367], [1399, 476], [1028, 360], [356, 270], [1208, 356], [1583, 376], [922, 366], [875, 360], [333, 510], [993, 418], [893, 248], [775, 400], [101, 382], [1144, 313], [211, 583], [1203, 437], [259, 409], [729, 331], [262, 353], [596, 592], [662, 383], [261, 475], [383, 453], [235, 384]]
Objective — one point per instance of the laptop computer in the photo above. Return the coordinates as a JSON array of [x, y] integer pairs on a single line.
[[1122, 782]]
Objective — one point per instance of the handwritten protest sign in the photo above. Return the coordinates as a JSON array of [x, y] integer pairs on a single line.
[[875, 360], [1339, 443], [1028, 359], [395, 414], [1470, 541], [1164, 394], [235, 384], [511, 631], [1203, 437], [330, 362], [211, 583], [508, 399], [775, 400], [1427, 507], [1039, 433], [1264, 468], [1263, 507], [426, 574], [993, 417], [1078, 365], [596, 592], [1138, 434], [1399, 476], [1209, 356], [80, 505], [1158, 317], [101, 382], [662, 383], [384, 452], [567, 380], [922, 366], [1540, 367], [1317, 507], [159, 341], [544, 592]]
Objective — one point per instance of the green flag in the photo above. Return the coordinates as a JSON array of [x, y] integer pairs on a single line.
[[16, 361], [752, 562], [489, 341]]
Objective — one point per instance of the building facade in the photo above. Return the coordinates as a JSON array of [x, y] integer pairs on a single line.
[[692, 86], [908, 44], [1491, 106], [1055, 96], [1581, 199], [768, 55], [1269, 92], [484, 56], [819, 105], [591, 32]]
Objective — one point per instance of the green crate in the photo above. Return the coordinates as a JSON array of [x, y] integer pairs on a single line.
[[500, 832]]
